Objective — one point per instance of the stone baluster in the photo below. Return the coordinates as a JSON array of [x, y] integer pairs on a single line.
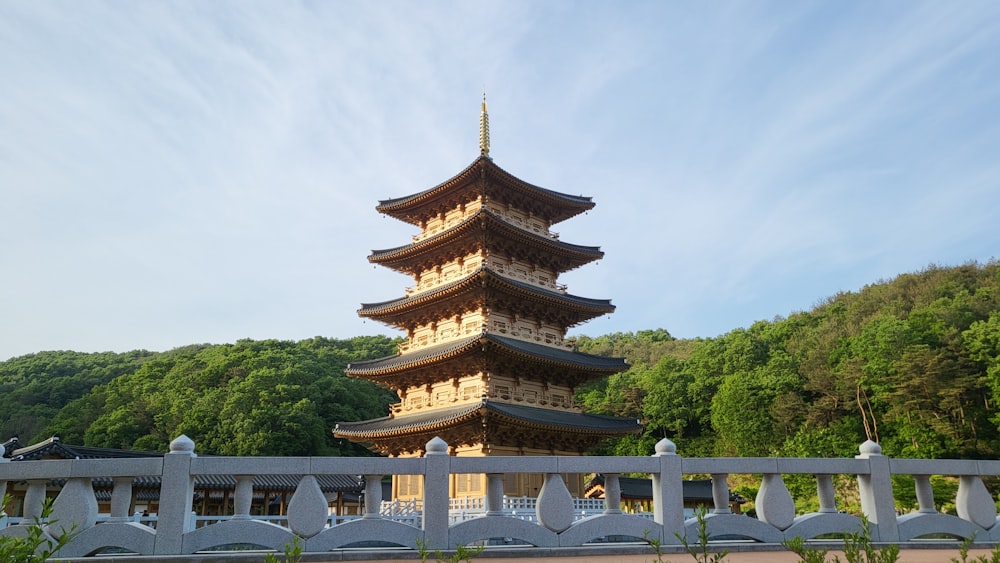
[[974, 503], [176, 498], [75, 509], [554, 507], [825, 493], [774, 503], [437, 472], [373, 496], [612, 494], [121, 499], [875, 488], [307, 509], [494, 494], [34, 499], [243, 497], [720, 493], [925, 495]]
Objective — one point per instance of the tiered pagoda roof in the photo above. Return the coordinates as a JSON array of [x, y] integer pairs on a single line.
[[454, 359], [485, 230], [489, 422], [482, 287], [483, 178]]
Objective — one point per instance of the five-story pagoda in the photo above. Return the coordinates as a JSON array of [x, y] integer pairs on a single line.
[[486, 364]]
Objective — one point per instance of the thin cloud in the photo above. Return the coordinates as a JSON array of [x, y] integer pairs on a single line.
[[187, 173]]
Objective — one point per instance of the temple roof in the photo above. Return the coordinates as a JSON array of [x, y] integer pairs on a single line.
[[54, 448], [484, 178], [428, 364], [486, 229], [550, 420], [479, 288]]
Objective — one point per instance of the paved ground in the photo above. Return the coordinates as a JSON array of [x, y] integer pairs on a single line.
[[906, 556]]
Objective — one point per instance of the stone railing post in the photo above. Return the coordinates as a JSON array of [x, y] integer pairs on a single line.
[[176, 498], [668, 492], [875, 488], [437, 474]]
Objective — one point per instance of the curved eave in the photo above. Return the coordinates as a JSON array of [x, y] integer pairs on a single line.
[[389, 426], [529, 351], [402, 258], [407, 208], [549, 420], [562, 421], [576, 309]]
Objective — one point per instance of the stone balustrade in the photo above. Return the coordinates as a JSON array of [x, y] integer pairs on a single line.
[[554, 524]]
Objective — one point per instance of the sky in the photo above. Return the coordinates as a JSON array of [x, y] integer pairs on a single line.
[[175, 173]]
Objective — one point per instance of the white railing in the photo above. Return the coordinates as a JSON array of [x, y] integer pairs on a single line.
[[551, 520]]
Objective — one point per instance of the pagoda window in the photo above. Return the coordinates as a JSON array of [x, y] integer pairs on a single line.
[[558, 399]]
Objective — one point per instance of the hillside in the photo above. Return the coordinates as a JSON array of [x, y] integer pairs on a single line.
[[912, 362], [249, 398]]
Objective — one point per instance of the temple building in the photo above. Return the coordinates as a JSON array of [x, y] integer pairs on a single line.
[[486, 364]]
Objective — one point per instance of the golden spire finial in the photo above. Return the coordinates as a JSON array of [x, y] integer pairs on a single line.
[[484, 129]]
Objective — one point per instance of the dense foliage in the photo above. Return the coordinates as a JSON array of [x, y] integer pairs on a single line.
[[35, 387], [913, 363], [249, 398]]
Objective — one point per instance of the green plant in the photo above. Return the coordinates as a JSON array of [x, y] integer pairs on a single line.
[[293, 552], [657, 546], [858, 548], [699, 550], [37, 545], [462, 553], [963, 552], [797, 545]]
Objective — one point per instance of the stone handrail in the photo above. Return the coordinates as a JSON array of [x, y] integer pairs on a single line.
[[554, 526]]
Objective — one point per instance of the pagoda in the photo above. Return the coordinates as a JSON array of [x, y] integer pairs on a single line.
[[486, 364]]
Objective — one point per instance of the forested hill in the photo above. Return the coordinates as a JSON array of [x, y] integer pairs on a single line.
[[249, 398], [914, 363]]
